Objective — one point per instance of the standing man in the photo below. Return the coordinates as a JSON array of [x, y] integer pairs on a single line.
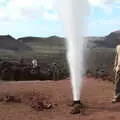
[[117, 76], [55, 70]]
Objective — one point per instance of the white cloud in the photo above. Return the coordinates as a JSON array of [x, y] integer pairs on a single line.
[[50, 16], [2, 1], [102, 2], [95, 2], [22, 9], [106, 5], [31, 9]]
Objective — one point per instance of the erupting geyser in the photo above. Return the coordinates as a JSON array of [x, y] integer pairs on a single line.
[[74, 13]]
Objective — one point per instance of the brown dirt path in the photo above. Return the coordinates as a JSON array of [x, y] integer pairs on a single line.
[[96, 94]]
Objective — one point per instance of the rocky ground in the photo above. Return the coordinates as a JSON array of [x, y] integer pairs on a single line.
[[96, 95]]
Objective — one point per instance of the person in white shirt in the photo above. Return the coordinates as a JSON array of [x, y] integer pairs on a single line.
[[34, 63]]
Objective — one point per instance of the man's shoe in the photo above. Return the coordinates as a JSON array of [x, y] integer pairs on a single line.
[[114, 100]]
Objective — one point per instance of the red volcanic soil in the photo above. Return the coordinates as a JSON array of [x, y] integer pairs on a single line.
[[96, 95]]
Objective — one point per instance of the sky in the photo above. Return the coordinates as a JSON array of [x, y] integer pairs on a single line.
[[21, 18]]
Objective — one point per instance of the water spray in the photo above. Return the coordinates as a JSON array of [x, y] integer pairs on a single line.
[[74, 13]]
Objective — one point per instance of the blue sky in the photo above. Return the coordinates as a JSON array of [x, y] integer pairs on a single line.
[[29, 18], [102, 21]]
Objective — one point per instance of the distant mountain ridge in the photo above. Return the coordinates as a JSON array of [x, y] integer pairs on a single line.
[[9, 43], [52, 40], [110, 40], [23, 44]]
